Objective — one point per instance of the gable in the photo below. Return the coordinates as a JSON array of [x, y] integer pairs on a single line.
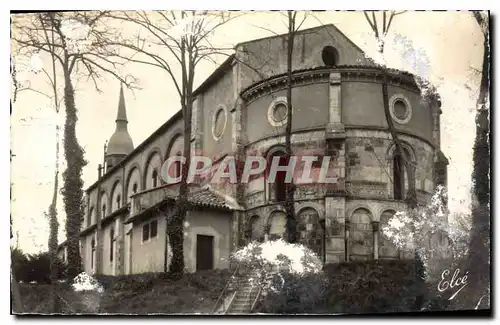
[[266, 57]]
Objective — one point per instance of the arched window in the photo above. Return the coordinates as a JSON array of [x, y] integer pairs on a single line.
[[118, 201], [111, 244], [90, 220], [134, 188], [399, 174], [92, 256], [155, 178], [277, 225], [103, 210], [278, 188], [178, 167]]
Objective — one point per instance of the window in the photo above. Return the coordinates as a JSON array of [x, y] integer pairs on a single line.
[[279, 185], [118, 199], [134, 188], [155, 178], [219, 122], [280, 112], [277, 112], [92, 257], [103, 210], [330, 56], [150, 230], [153, 229], [400, 108], [145, 232], [90, 220], [178, 167], [111, 244], [398, 177], [399, 174]]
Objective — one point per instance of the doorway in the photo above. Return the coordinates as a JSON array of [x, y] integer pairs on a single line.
[[204, 252]]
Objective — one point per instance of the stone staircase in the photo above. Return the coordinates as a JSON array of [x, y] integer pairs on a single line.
[[240, 296], [247, 292]]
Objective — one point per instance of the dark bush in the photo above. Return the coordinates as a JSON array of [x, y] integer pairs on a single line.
[[34, 267], [375, 287], [295, 294]]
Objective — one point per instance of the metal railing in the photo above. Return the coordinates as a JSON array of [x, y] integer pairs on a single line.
[[223, 293], [256, 298]]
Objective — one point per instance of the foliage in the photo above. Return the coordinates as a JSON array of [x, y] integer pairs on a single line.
[[290, 276], [373, 286], [297, 294], [426, 231], [28, 268], [84, 282], [134, 294], [277, 256]]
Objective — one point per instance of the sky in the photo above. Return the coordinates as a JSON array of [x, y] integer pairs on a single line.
[[445, 47]]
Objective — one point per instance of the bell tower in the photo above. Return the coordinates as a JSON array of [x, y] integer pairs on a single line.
[[120, 144]]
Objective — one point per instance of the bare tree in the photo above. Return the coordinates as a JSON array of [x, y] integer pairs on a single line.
[[291, 220], [380, 30], [185, 36], [87, 54]]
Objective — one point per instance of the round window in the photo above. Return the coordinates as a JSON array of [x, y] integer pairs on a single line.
[[330, 55], [219, 122], [278, 112], [400, 109]]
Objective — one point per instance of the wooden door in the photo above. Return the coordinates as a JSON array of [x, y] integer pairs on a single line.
[[204, 252]]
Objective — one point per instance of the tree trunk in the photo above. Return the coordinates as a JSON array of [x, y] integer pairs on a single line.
[[175, 227], [53, 223], [73, 183], [411, 197], [291, 222]]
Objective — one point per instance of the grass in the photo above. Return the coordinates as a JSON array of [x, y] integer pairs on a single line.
[[135, 294]]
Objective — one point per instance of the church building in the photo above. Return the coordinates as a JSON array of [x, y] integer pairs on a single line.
[[241, 110]]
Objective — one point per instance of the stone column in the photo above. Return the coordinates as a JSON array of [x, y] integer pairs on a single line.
[[335, 193], [267, 228], [375, 226]]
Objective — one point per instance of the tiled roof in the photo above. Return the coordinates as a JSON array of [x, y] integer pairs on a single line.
[[206, 197]]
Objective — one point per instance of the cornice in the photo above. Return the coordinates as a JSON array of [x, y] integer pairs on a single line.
[[321, 75]]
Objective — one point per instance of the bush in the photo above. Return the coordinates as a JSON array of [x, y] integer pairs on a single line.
[[374, 287], [298, 294], [28, 268]]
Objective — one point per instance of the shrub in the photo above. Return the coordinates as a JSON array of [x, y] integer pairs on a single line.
[[298, 294], [290, 276], [28, 268], [374, 287]]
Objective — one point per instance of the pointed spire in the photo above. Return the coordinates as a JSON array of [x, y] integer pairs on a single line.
[[122, 112], [120, 142]]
